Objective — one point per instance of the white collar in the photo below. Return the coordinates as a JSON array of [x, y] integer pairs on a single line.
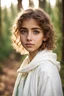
[[38, 59]]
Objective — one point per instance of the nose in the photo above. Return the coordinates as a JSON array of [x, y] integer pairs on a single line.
[[29, 36]]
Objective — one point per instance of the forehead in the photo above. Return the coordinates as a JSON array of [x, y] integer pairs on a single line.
[[30, 21]]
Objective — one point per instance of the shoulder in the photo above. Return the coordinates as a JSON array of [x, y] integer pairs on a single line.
[[49, 68], [48, 65], [50, 74]]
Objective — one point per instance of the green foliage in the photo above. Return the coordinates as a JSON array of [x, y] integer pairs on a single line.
[[7, 18], [62, 76], [58, 27], [56, 18]]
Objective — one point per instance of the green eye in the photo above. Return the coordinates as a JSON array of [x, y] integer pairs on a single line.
[[36, 32], [22, 31]]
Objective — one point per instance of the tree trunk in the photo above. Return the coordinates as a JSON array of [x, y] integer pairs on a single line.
[[63, 31], [42, 4], [31, 4], [0, 20], [19, 4]]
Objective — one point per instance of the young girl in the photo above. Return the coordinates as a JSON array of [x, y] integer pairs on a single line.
[[38, 75]]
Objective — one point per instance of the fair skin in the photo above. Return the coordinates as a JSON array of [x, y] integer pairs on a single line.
[[31, 37]]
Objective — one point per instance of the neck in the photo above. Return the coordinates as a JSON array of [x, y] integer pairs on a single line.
[[32, 55]]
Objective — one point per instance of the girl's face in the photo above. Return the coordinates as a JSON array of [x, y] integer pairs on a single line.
[[31, 35]]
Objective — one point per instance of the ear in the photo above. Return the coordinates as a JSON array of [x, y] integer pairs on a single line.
[[44, 39]]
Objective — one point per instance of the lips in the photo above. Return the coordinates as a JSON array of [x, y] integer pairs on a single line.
[[29, 44]]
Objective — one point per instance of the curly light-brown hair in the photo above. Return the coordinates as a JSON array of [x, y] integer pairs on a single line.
[[43, 19]]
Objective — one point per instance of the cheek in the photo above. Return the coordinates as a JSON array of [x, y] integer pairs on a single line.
[[39, 39], [22, 42], [40, 42], [22, 39]]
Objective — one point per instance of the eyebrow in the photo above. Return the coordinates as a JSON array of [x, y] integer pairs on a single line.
[[23, 28], [35, 28]]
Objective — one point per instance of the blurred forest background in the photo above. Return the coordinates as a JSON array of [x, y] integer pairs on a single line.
[[9, 59]]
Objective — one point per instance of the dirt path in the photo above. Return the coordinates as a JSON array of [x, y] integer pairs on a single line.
[[7, 79]]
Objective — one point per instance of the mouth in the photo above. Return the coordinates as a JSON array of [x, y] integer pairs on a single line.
[[29, 44]]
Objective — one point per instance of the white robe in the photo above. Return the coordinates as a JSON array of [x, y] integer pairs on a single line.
[[40, 77]]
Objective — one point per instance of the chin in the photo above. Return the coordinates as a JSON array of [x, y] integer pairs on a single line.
[[30, 51]]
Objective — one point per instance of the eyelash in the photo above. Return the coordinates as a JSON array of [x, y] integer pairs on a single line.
[[36, 32], [25, 31]]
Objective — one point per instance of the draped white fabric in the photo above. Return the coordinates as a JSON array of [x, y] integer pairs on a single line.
[[40, 77]]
